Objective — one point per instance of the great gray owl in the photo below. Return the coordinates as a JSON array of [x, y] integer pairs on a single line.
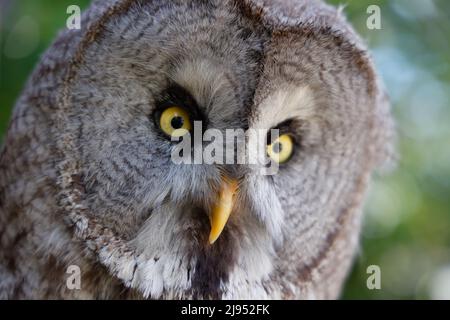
[[86, 176]]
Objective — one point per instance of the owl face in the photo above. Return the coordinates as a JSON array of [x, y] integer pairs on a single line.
[[158, 67]]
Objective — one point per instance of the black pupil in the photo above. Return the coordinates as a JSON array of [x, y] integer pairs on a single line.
[[277, 147], [177, 122]]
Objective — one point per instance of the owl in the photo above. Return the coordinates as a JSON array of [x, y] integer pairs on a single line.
[[87, 178]]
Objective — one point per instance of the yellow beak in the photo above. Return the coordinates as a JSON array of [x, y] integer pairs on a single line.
[[222, 209]]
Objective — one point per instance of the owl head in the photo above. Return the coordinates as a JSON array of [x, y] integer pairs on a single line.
[[140, 72]]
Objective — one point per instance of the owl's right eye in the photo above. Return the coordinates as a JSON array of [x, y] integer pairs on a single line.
[[175, 121]]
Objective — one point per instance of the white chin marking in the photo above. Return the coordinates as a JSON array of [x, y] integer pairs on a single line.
[[165, 263]]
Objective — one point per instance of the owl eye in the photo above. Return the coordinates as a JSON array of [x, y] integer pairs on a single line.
[[175, 121], [281, 149]]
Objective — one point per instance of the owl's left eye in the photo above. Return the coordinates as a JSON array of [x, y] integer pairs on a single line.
[[175, 121], [281, 149]]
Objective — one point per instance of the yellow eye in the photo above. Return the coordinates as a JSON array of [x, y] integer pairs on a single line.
[[175, 122], [281, 149]]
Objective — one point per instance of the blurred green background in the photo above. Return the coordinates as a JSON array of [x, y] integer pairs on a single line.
[[407, 217]]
